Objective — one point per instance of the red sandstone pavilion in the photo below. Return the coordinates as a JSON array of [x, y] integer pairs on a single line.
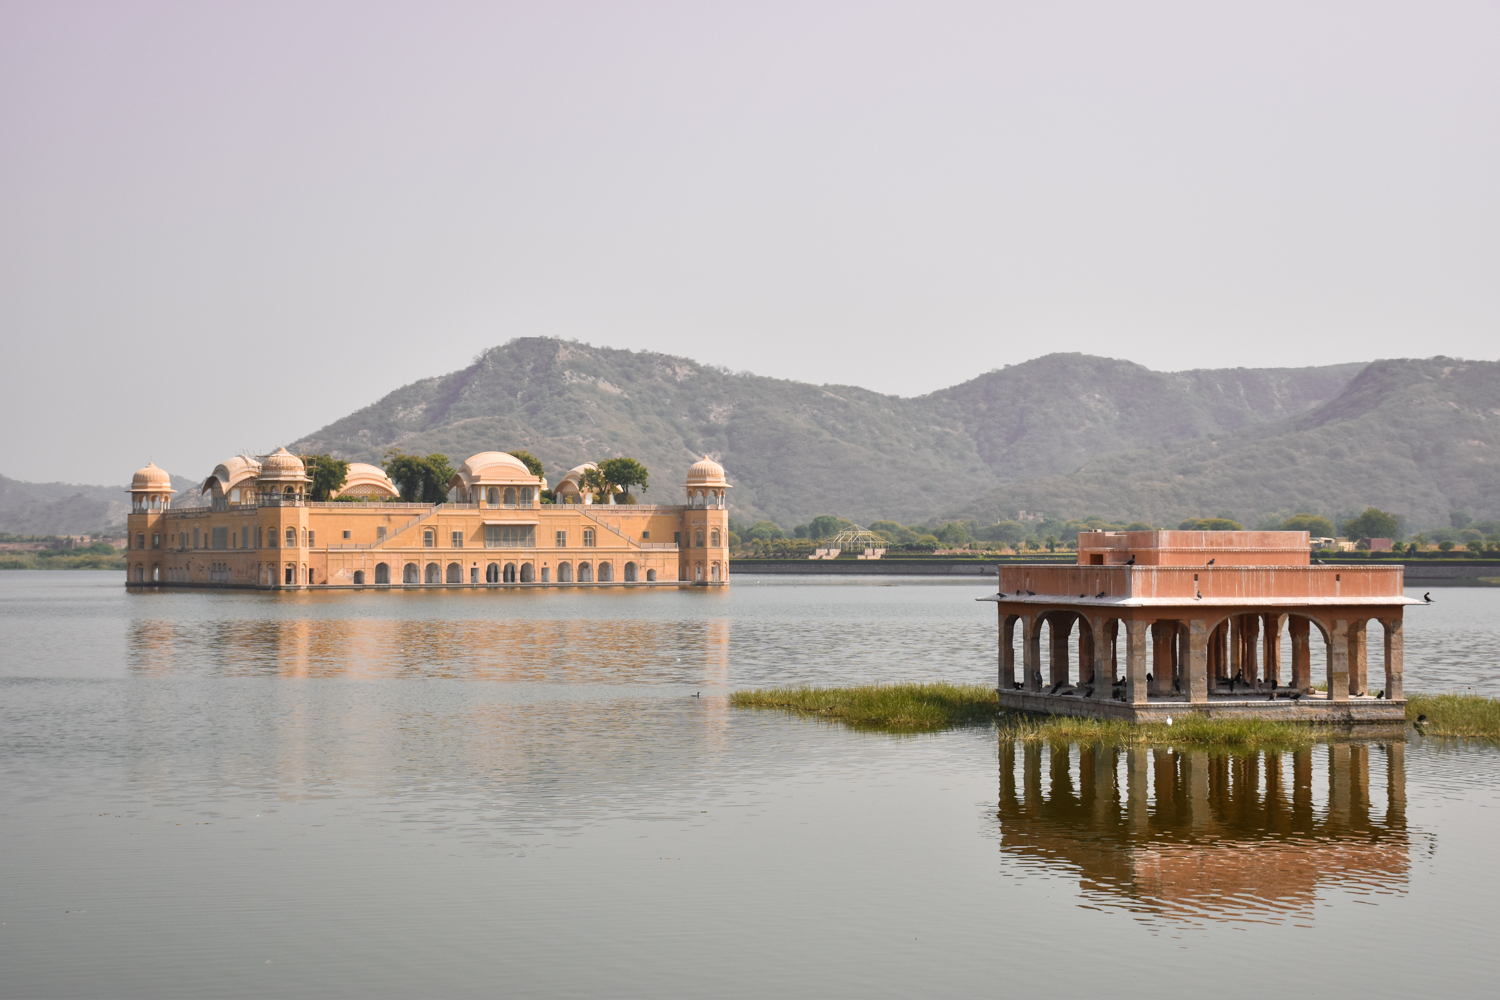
[[1203, 614]]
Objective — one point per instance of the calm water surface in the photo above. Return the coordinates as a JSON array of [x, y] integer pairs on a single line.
[[455, 794]]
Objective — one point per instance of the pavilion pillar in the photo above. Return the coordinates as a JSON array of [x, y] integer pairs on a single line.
[[1031, 774], [1031, 652], [1085, 651], [1112, 632], [1273, 648], [1338, 661], [1338, 786], [1358, 657], [1057, 665], [1249, 633], [1393, 654], [1007, 676], [1007, 770], [1135, 662], [1195, 788], [1299, 628], [1236, 666], [1104, 667], [1180, 683], [1359, 785], [1161, 659], [1197, 661]]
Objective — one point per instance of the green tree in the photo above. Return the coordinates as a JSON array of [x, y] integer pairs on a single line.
[[1459, 518], [1373, 523], [419, 478], [1009, 532], [826, 526], [1475, 546], [1314, 524], [952, 533], [764, 531], [1445, 546], [1051, 543], [593, 481], [532, 463], [624, 473], [328, 475]]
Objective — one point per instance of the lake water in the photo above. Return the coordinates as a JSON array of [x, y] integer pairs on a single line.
[[546, 794]]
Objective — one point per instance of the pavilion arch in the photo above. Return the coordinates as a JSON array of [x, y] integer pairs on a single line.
[[359, 578], [510, 496], [585, 573], [434, 573], [492, 573], [382, 573], [455, 573], [606, 572], [631, 574], [564, 572], [528, 572], [411, 573], [509, 573], [650, 576]]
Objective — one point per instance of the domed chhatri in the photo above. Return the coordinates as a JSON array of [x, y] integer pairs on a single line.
[[706, 473], [499, 528], [706, 485], [151, 478]]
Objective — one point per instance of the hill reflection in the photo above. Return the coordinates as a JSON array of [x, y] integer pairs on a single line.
[[1194, 836]]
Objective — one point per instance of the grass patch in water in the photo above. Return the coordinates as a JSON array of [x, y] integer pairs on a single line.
[[1467, 715], [1188, 730], [894, 707]]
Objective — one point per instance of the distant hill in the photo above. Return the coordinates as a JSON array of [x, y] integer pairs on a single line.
[[1419, 438], [795, 450], [64, 508]]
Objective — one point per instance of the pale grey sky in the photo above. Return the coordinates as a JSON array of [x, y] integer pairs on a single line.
[[223, 225]]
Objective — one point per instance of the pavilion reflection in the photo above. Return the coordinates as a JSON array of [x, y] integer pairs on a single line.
[[1189, 835]]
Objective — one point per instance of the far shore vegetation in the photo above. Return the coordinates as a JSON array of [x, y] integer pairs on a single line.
[[58, 552], [924, 708]]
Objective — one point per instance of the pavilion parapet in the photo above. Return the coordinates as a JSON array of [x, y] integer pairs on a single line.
[[1272, 585]]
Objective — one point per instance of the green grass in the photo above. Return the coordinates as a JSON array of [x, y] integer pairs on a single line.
[[62, 560], [912, 708], [901, 708], [1468, 715]]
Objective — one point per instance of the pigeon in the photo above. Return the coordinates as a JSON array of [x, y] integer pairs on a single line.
[[1320, 562], [1295, 695], [1099, 595], [1198, 595], [1131, 560], [1088, 692], [1018, 591], [1083, 595], [1213, 560], [1427, 597], [1030, 593]]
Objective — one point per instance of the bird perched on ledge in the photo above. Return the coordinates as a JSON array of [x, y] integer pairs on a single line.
[[1213, 560], [1099, 595], [1131, 560], [1427, 597]]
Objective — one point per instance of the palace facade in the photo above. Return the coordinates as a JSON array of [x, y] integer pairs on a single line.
[[259, 529]]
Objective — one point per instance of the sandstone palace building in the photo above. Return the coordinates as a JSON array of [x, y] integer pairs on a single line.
[[259, 529]]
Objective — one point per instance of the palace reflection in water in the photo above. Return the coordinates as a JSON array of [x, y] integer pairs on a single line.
[[1194, 836]]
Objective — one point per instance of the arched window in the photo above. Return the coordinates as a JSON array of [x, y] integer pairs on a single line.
[[606, 572], [434, 573], [510, 573], [455, 573], [528, 573], [526, 496], [585, 573], [546, 574], [492, 573], [650, 576], [630, 572], [140, 573], [359, 578], [564, 572], [713, 538], [411, 573], [698, 573], [382, 573], [291, 538], [713, 573], [492, 495], [291, 574], [698, 539], [429, 538], [510, 496]]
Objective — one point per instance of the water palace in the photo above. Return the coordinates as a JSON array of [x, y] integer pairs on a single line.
[[1202, 614], [259, 529]]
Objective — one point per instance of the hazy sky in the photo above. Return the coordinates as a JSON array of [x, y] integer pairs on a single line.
[[224, 225]]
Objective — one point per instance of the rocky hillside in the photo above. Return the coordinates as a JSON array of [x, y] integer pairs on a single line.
[[794, 450], [1419, 438], [63, 508]]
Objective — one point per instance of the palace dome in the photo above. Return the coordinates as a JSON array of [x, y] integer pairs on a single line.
[[151, 478], [367, 480], [282, 466], [706, 473], [494, 465]]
